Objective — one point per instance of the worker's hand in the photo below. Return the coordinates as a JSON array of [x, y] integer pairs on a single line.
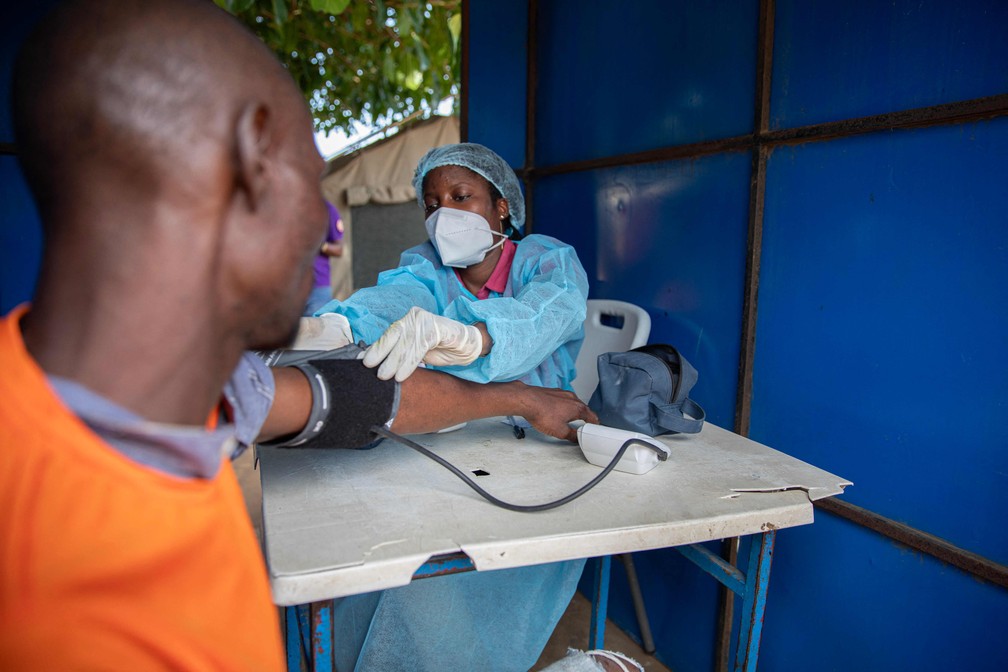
[[420, 336], [551, 411], [326, 332]]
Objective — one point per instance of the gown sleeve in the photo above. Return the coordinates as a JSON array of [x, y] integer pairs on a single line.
[[540, 326], [371, 310]]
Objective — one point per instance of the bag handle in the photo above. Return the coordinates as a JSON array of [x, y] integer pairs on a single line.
[[671, 417]]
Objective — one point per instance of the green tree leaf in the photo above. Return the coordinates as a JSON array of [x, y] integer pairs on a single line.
[[369, 61], [455, 27], [330, 6], [279, 12]]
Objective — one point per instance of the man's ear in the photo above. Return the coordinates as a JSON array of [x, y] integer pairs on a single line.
[[253, 134]]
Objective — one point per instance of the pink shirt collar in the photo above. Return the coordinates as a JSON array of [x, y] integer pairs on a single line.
[[497, 282]]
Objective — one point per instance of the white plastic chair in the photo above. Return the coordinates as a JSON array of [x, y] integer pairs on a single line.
[[601, 338]]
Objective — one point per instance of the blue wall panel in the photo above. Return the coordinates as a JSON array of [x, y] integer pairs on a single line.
[[669, 237], [834, 60], [498, 48], [20, 237], [20, 233], [842, 599], [620, 77], [880, 348], [881, 351]]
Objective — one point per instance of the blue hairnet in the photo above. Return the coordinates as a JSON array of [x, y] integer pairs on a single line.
[[482, 161]]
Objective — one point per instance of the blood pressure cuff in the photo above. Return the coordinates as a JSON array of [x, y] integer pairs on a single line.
[[347, 398]]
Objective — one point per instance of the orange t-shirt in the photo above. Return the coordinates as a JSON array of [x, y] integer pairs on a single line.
[[108, 564]]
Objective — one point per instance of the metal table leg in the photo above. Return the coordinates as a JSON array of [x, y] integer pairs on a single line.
[[752, 586], [600, 603], [647, 641], [292, 638], [754, 601], [297, 632], [322, 636]]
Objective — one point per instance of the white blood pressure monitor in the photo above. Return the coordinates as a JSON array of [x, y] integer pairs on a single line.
[[600, 444]]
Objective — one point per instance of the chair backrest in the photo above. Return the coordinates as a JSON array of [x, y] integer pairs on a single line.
[[601, 338]]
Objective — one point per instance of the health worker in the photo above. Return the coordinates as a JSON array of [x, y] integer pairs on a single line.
[[477, 299], [482, 302]]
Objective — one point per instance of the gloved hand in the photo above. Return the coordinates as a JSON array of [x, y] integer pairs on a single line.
[[326, 332], [422, 336]]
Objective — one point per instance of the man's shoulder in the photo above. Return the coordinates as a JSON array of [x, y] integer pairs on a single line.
[[22, 379]]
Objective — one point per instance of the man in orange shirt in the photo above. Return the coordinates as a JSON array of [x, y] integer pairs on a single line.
[[173, 165]]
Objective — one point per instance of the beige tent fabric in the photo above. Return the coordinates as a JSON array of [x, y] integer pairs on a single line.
[[379, 173]]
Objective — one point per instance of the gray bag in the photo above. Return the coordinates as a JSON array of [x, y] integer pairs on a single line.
[[647, 390]]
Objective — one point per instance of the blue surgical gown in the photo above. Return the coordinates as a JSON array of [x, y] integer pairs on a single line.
[[495, 621], [536, 324]]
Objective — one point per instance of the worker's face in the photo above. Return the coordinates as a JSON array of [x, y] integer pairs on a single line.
[[462, 189]]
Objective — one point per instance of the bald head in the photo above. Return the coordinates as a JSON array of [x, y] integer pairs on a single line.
[[175, 170], [138, 87]]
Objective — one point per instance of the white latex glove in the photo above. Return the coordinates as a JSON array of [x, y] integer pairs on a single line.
[[326, 332], [420, 336]]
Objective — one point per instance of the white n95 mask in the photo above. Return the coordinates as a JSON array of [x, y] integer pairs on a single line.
[[462, 238]]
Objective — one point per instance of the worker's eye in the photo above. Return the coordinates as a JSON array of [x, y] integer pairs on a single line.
[[429, 208], [460, 198]]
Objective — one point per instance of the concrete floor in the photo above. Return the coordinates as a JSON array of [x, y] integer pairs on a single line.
[[571, 632]]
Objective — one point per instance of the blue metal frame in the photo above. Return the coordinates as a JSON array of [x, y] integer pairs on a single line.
[[754, 601], [752, 586], [296, 635], [600, 603], [296, 618], [292, 637]]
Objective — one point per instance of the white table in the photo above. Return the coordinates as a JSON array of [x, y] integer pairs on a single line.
[[342, 522]]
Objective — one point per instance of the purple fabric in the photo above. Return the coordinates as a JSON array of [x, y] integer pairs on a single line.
[[334, 234]]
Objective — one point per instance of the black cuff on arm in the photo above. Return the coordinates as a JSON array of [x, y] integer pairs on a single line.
[[347, 400]]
